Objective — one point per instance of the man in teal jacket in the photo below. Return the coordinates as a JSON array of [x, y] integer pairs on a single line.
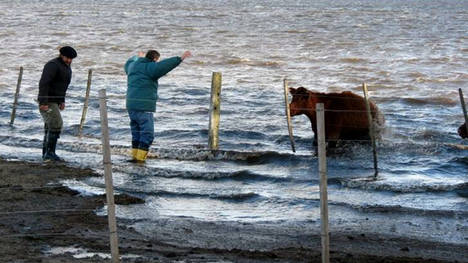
[[143, 72]]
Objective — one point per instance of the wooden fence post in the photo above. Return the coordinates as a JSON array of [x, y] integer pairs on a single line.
[[15, 103], [114, 244], [371, 129], [85, 107], [288, 114], [462, 100], [213, 129], [323, 183]]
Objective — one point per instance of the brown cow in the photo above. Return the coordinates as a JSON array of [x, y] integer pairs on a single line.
[[462, 131], [345, 114]]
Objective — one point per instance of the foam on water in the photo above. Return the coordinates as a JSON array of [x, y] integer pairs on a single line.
[[80, 253]]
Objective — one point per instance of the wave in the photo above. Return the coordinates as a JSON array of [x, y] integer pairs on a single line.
[[414, 101], [399, 209], [193, 91], [430, 101], [224, 155], [296, 31], [252, 135], [424, 143], [460, 160], [353, 60], [241, 175], [270, 64], [236, 61], [187, 154], [366, 184], [457, 79], [230, 196], [253, 63]]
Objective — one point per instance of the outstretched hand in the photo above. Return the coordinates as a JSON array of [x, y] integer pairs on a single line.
[[186, 55]]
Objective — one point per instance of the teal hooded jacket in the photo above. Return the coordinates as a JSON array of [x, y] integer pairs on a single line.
[[142, 81]]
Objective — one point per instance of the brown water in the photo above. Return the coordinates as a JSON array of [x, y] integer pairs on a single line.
[[412, 54]]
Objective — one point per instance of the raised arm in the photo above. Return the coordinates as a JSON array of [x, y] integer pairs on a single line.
[[164, 66]]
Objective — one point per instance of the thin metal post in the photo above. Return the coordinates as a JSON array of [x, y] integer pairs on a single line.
[[288, 114], [15, 103], [85, 107], [213, 129], [108, 177], [462, 100], [371, 129], [323, 183]]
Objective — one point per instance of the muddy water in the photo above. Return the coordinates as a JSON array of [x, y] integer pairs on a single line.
[[413, 55]]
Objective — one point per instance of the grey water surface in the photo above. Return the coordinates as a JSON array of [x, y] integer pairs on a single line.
[[412, 54]]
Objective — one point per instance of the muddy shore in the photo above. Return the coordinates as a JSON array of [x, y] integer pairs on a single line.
[[39, 217]]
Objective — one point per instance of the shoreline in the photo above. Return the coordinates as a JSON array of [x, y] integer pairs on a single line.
[[41, 217]]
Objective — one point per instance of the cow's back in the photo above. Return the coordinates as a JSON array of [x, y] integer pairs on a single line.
[[347, 112], [346, 108]]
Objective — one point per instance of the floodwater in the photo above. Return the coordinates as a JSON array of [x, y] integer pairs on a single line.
[[412, 54]]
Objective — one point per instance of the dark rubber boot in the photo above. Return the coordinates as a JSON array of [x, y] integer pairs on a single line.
[[44, 144], [51, 145]]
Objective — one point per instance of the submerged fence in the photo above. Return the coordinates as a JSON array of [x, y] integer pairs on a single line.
[[213, 145]]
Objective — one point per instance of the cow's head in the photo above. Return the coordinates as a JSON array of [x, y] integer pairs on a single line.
[[299, 103], [462, 131]]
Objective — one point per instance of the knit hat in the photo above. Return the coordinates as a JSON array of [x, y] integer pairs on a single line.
[[68, 51]]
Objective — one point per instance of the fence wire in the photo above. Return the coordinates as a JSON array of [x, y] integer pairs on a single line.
[[48, 211], [114, 98], [163, 191], [328, 124]]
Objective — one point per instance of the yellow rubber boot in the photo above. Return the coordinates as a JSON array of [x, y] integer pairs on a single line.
[[141, 155], [134, 153]]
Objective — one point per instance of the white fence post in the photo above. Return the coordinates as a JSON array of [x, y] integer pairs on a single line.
[[114, 244], [323, 183], [288, 114]]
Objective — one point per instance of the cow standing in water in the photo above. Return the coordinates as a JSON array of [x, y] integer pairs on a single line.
[[345, 114]]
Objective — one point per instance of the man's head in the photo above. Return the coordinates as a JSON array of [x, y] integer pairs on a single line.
[[152, 55], [67, 54]]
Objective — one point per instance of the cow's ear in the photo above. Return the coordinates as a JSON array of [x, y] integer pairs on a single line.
[[302, 90], [292, 90]]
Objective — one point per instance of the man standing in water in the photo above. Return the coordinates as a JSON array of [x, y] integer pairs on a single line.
[[53, 86], [143, 72]]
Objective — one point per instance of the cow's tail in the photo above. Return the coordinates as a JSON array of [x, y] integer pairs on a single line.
[[379, 123]]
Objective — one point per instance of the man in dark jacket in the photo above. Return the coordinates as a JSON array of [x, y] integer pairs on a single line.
[[143, 72], [53, 86]]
